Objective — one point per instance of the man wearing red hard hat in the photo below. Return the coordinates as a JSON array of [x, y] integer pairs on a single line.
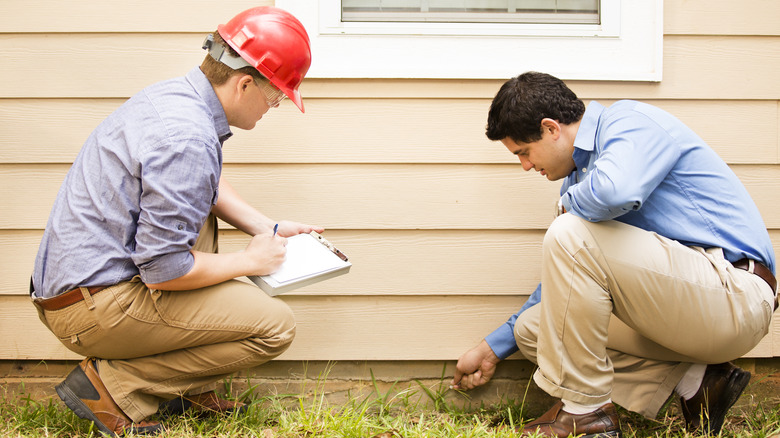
[[128, 273]]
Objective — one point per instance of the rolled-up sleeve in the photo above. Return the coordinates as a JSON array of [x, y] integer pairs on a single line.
[[174, 205]]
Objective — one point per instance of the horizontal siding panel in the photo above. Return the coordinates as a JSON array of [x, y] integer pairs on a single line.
[[331, 131], [50, 16], [17, 259], [433, 262], [341, 196], [128, 62], [48, 130], [385, 262], [371, 196], [328, 328], [721, 17], [367, 131], [77, 55], [334, 328]]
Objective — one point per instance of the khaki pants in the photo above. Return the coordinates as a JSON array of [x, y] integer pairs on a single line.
[[624, 312], [154, 345]]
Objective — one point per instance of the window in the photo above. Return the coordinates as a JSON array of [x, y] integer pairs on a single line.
[[483, 39]]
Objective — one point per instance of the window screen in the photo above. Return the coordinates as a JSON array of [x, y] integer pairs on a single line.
[[472, 11]]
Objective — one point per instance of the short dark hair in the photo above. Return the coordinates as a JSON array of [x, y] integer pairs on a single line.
[[218, 73], [522, 102]]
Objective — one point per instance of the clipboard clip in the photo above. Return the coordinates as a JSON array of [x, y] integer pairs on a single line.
[[329, 245]]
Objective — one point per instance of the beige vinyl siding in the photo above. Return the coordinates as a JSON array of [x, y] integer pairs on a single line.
[[366, 130], [401, 197], [694, 67], [443, 227]]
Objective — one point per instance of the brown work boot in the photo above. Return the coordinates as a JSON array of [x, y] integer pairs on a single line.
[[721, 387], [84, 393], [202, 405], [603, 422]]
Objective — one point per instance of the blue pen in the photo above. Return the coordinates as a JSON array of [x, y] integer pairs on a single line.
[[276, 227]]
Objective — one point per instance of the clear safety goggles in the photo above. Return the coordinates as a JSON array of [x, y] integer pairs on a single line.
[[273, 95]]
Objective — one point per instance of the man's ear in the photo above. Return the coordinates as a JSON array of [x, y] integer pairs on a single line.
[[243, 83], [551, 127]]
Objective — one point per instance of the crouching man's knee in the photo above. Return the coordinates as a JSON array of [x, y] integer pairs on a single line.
[[274, 336], [565, 231], [527, 332]]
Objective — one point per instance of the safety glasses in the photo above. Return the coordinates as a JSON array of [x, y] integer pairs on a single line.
[[273, 95]]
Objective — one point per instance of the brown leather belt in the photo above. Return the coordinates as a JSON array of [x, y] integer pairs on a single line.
[[762, 271], [66, 299]]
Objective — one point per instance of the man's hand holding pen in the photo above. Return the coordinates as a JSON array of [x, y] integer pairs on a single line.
[[266, 253]]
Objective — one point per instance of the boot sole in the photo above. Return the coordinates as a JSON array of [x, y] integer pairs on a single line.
[[81, 410]]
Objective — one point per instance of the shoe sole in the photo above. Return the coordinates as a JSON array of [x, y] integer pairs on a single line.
[[81, 410], [738, 381]]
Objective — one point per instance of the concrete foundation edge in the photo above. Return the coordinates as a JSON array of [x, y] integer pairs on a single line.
[[417, 382]]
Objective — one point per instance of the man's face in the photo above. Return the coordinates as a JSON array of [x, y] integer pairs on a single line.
[[551, 156], [252, 108]]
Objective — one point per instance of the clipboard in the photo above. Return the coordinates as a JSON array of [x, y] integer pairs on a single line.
[[310, 259]]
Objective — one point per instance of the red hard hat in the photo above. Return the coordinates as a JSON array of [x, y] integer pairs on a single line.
[[274, 42]]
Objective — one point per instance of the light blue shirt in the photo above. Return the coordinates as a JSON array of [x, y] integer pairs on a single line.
[[639, 165], [138, 192]]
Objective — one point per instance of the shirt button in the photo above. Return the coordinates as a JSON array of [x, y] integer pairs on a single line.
[[584, 169]]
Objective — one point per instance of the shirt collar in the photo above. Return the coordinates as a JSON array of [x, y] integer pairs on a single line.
[[585, 140], [204, 89]]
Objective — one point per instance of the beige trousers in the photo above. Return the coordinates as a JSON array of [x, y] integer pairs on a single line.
[[624, 312], [154, 345]]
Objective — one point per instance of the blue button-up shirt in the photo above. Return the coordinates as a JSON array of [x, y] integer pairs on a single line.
[[639, 165], [138, 192]]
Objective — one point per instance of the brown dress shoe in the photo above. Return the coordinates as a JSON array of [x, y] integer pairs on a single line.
[[721, 387], [202, 405], [84, 393], [603, 422]]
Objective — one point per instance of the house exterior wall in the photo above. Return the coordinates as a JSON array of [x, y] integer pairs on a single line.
[[443, 227]]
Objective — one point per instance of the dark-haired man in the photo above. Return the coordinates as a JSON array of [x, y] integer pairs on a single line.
[[128, 272], [659, 274]]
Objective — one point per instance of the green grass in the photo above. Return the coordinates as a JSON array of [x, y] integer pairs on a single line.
[[415, 411]]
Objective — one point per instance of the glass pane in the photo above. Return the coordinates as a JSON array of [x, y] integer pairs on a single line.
[[468, 5], [360, 5], [535, 5]]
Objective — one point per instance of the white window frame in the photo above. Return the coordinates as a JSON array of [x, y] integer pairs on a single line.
[[626, 46]]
